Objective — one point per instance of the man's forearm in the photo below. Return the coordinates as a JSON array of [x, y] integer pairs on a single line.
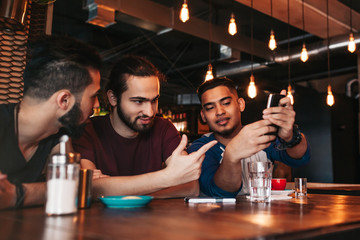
[[228, 176], [190, 189], [35, 193], [132, 185]]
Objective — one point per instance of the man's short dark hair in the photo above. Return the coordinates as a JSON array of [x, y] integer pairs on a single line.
[[130, 65], [215, 82], [59, 63]]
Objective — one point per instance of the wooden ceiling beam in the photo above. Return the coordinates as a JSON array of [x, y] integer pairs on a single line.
[[314, 14], [168, 17]]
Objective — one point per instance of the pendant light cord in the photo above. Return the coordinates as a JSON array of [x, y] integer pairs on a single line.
[[350, 16], [252, 36], [288, 8], [328, 38], [210, 32], [271, 13], [303, 18]]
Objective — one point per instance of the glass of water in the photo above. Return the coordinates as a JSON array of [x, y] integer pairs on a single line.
[[260, 174], [300, 187]]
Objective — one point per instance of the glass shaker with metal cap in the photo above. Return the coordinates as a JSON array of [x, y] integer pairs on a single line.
[[62, 182]]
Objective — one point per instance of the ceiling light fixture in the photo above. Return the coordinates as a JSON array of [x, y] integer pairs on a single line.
[[272, 42], [184, 12], [289, 94], [330, 97], [252, 88], [209, 73], [289, 90], [232, 25], [304, 56], [351, 45]]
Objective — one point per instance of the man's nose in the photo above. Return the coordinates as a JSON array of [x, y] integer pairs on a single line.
[[219, 110], [96, 103], [148, 109]]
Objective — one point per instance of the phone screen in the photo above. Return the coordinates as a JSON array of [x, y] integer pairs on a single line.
[[273, 101]]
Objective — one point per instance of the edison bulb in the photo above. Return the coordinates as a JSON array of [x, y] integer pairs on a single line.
[[351, 45], [272, 41], [184, 13], [252, 88], [330, 97], [232, 25], [304, 54], [209, 73]]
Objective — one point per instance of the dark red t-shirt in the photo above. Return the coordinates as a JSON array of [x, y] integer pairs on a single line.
[[115, 155]]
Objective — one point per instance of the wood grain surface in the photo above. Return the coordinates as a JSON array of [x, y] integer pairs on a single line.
[[319, 216]]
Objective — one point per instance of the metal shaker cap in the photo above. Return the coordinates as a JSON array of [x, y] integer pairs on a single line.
[[63, 159], [58, 159]]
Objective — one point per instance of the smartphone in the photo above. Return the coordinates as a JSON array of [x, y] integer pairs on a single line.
[[274, 101]]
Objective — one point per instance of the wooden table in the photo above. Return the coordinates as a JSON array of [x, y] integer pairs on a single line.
[[319, 216]]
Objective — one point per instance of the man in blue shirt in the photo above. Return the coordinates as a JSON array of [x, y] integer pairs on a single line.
[[223, 167]]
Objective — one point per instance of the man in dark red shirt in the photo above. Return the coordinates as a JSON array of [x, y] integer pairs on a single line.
[[132, 145]]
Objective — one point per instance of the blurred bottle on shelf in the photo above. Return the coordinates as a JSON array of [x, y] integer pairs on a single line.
[[180, 122]]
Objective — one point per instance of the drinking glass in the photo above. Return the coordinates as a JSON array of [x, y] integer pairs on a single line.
[[260, 174], [300, 187]]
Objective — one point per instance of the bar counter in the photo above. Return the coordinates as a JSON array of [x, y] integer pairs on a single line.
[[317, 217]]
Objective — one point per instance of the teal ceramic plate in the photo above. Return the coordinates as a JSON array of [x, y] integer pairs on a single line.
[[282, 192], [125, 201]]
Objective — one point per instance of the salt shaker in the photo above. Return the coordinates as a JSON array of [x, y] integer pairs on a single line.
[[62, 183]]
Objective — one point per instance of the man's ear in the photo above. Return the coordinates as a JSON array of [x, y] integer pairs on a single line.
[[65, 99], [241, 103], [202, 116], [112, 98]]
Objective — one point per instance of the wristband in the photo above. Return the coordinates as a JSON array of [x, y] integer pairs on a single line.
[[296, 139], [20, 195]]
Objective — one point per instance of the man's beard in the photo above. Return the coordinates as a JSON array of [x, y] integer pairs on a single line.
[[225, 133], [70, 122], [132, 124]]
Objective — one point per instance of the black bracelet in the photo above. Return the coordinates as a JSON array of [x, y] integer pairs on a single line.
[[296, 139], [20, 195]]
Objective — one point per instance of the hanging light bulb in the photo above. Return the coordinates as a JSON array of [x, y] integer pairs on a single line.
[[252, 88], [351, 45], [209, 73], [272, 41], [289, 95], [184, 12], [304, 54], [232, 25], [330, 97]]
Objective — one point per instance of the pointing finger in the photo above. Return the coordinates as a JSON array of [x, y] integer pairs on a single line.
[[181, 145], [204, 148]]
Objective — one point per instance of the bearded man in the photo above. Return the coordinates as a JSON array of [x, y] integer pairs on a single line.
[[132, 151], [61, 82]]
